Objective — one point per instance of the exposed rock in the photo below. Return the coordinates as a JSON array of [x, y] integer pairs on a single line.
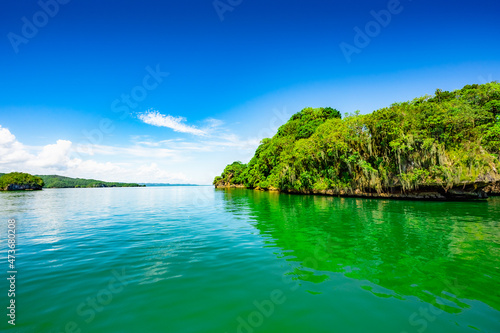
[[224, 185], [493, 189], [463, 191], [21, 187]]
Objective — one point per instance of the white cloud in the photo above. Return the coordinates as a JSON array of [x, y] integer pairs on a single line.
[[232, 140], [6, 138], [59, 158], [214, 142], [151, 150], [143, 159], [152, 173], [91, 168], [213, 123], [11, 150], [155, 118], [157, 143], [53, 156]]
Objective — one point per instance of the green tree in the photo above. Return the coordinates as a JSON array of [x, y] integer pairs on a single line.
[[20, 178], [445, 139]]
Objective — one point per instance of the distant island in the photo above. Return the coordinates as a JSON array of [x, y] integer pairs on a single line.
[[23, 181], [17, 181], [439, 147]]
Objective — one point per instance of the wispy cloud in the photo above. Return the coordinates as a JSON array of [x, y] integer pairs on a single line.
[[60, 158], [143, 159], [213, 142], [155, 118]]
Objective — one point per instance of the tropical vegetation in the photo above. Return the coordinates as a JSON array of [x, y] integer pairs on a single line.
[[55, 181], [446, 139], [20, 179]]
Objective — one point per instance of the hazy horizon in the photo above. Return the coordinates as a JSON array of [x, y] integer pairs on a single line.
[[171, 92]]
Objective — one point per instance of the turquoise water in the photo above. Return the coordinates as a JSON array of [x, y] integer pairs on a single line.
[[195, 259]]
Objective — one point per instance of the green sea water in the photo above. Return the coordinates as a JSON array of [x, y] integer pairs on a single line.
[[195, 259]]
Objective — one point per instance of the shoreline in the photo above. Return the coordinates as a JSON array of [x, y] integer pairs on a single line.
[[460, 192]]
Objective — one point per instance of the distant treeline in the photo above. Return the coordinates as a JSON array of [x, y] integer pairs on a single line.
[[55, 181]]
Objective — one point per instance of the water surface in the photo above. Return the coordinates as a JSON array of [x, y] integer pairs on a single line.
[[195, 259]]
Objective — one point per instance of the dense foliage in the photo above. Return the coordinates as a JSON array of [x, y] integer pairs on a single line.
[[445, 139], [20, 178], [54, 181]]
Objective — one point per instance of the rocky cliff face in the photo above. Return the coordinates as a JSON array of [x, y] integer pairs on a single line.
[[427, 193], [21, 187], [493, 189], [464, 191], [227, 185]]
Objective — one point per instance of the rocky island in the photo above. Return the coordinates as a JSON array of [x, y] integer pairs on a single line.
[[19, 181], [439, 147]]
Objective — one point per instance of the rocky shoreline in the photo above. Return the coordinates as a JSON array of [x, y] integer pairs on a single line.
[[463, 191], [493, 189], [21, 187]]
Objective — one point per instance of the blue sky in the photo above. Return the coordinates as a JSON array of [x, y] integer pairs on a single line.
[[172, 91]]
